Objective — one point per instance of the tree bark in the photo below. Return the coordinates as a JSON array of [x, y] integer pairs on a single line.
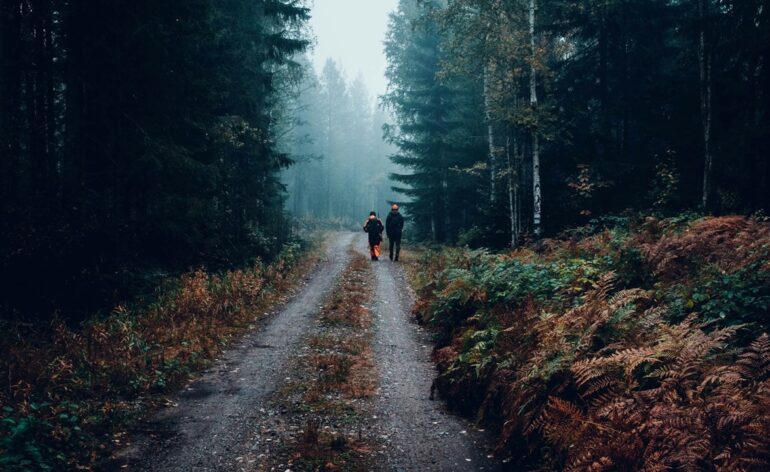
[[536, 191], [490, 134], [604, 118], [704, 61], [6, 38], [74, 155], [50, 107], [513, 197]]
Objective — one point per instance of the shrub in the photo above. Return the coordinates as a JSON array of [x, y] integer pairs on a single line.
[[70, 389], [633, 347]]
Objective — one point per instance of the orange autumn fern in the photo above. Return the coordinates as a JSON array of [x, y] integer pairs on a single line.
[[696, 411], [80, 385], [728, 242], [607, 351]]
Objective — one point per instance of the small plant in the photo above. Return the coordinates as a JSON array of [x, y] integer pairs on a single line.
[[312, 432]]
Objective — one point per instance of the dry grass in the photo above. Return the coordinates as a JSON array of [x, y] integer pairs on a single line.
[[345, 373], [77, 389]]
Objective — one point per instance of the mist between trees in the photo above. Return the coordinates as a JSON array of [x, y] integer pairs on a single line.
[[334, 133]]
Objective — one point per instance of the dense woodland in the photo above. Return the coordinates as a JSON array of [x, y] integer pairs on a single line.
[[623, 330], [334, 135], [553, 113], [160, 137], [590, 178], [138, 139]]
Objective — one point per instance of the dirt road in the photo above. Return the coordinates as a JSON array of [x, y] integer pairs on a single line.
[[211, 424], [420, 434], [211, 417]]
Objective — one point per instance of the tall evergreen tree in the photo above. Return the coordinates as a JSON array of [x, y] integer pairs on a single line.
[[137, 137], [436, 120]]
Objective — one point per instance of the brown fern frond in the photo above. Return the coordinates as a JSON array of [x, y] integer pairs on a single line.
[[587, 370], [591, 464], [754, 363], [598, 385]]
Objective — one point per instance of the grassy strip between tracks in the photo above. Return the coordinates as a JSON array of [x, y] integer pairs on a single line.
[[327, 417]]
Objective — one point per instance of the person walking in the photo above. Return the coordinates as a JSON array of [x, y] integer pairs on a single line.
[[394, 226], [373, 226]]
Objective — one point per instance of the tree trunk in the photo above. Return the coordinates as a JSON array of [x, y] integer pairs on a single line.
[[328, 157], [298, 193], [74, 154], [704, 60], [604, 118], [490, 134], [444, 196], [536, 193], [50, 107], [6, 39], [512, 194]]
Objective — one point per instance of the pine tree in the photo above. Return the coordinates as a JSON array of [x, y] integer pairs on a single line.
[[137, 138], [435, 122]]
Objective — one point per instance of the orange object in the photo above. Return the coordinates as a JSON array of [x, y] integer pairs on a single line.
[[374, 250]]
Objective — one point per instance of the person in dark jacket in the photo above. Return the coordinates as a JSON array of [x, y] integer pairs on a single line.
[[373, 226], [394, 226]]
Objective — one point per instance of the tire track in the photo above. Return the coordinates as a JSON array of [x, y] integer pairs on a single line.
[[206, 427], [419, 434]]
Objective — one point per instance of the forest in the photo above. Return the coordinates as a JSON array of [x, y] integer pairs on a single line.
[[585, 185], [582, 108], [334, 135], [137, 139]]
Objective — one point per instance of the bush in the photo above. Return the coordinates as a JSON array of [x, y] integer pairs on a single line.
[[632, 347], [69, 390]]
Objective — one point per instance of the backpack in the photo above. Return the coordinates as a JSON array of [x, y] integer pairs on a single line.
[[374, 228]]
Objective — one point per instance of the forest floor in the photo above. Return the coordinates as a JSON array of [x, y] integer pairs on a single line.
[[338, 379]]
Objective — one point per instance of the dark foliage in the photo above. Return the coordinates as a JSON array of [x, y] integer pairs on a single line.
[[579, 368], [136, 139], [639, 105]]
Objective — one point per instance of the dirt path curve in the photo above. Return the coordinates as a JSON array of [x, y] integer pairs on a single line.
[[419, 434], [206, 429]]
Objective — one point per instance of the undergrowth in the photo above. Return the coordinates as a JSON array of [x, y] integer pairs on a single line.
[[71, 393], [636, 346], [339, 377]]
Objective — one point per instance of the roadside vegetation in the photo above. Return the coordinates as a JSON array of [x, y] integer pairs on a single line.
[[70, 394], [326, 425], [627, 344]]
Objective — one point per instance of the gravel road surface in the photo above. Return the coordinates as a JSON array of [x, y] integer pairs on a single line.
[[211, 417], [419, 434], [212, 423]]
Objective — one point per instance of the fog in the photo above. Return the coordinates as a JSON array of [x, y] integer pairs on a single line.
[[351, 33], [333, 118]]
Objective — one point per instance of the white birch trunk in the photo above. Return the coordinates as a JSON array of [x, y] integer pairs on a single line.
[[490, 135], [536, 192], [512, 197]]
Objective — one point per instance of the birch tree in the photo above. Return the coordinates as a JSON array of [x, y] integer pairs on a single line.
[[536, 191], [490, 132]]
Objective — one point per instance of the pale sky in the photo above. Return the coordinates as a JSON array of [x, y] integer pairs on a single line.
[[351, 32]]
